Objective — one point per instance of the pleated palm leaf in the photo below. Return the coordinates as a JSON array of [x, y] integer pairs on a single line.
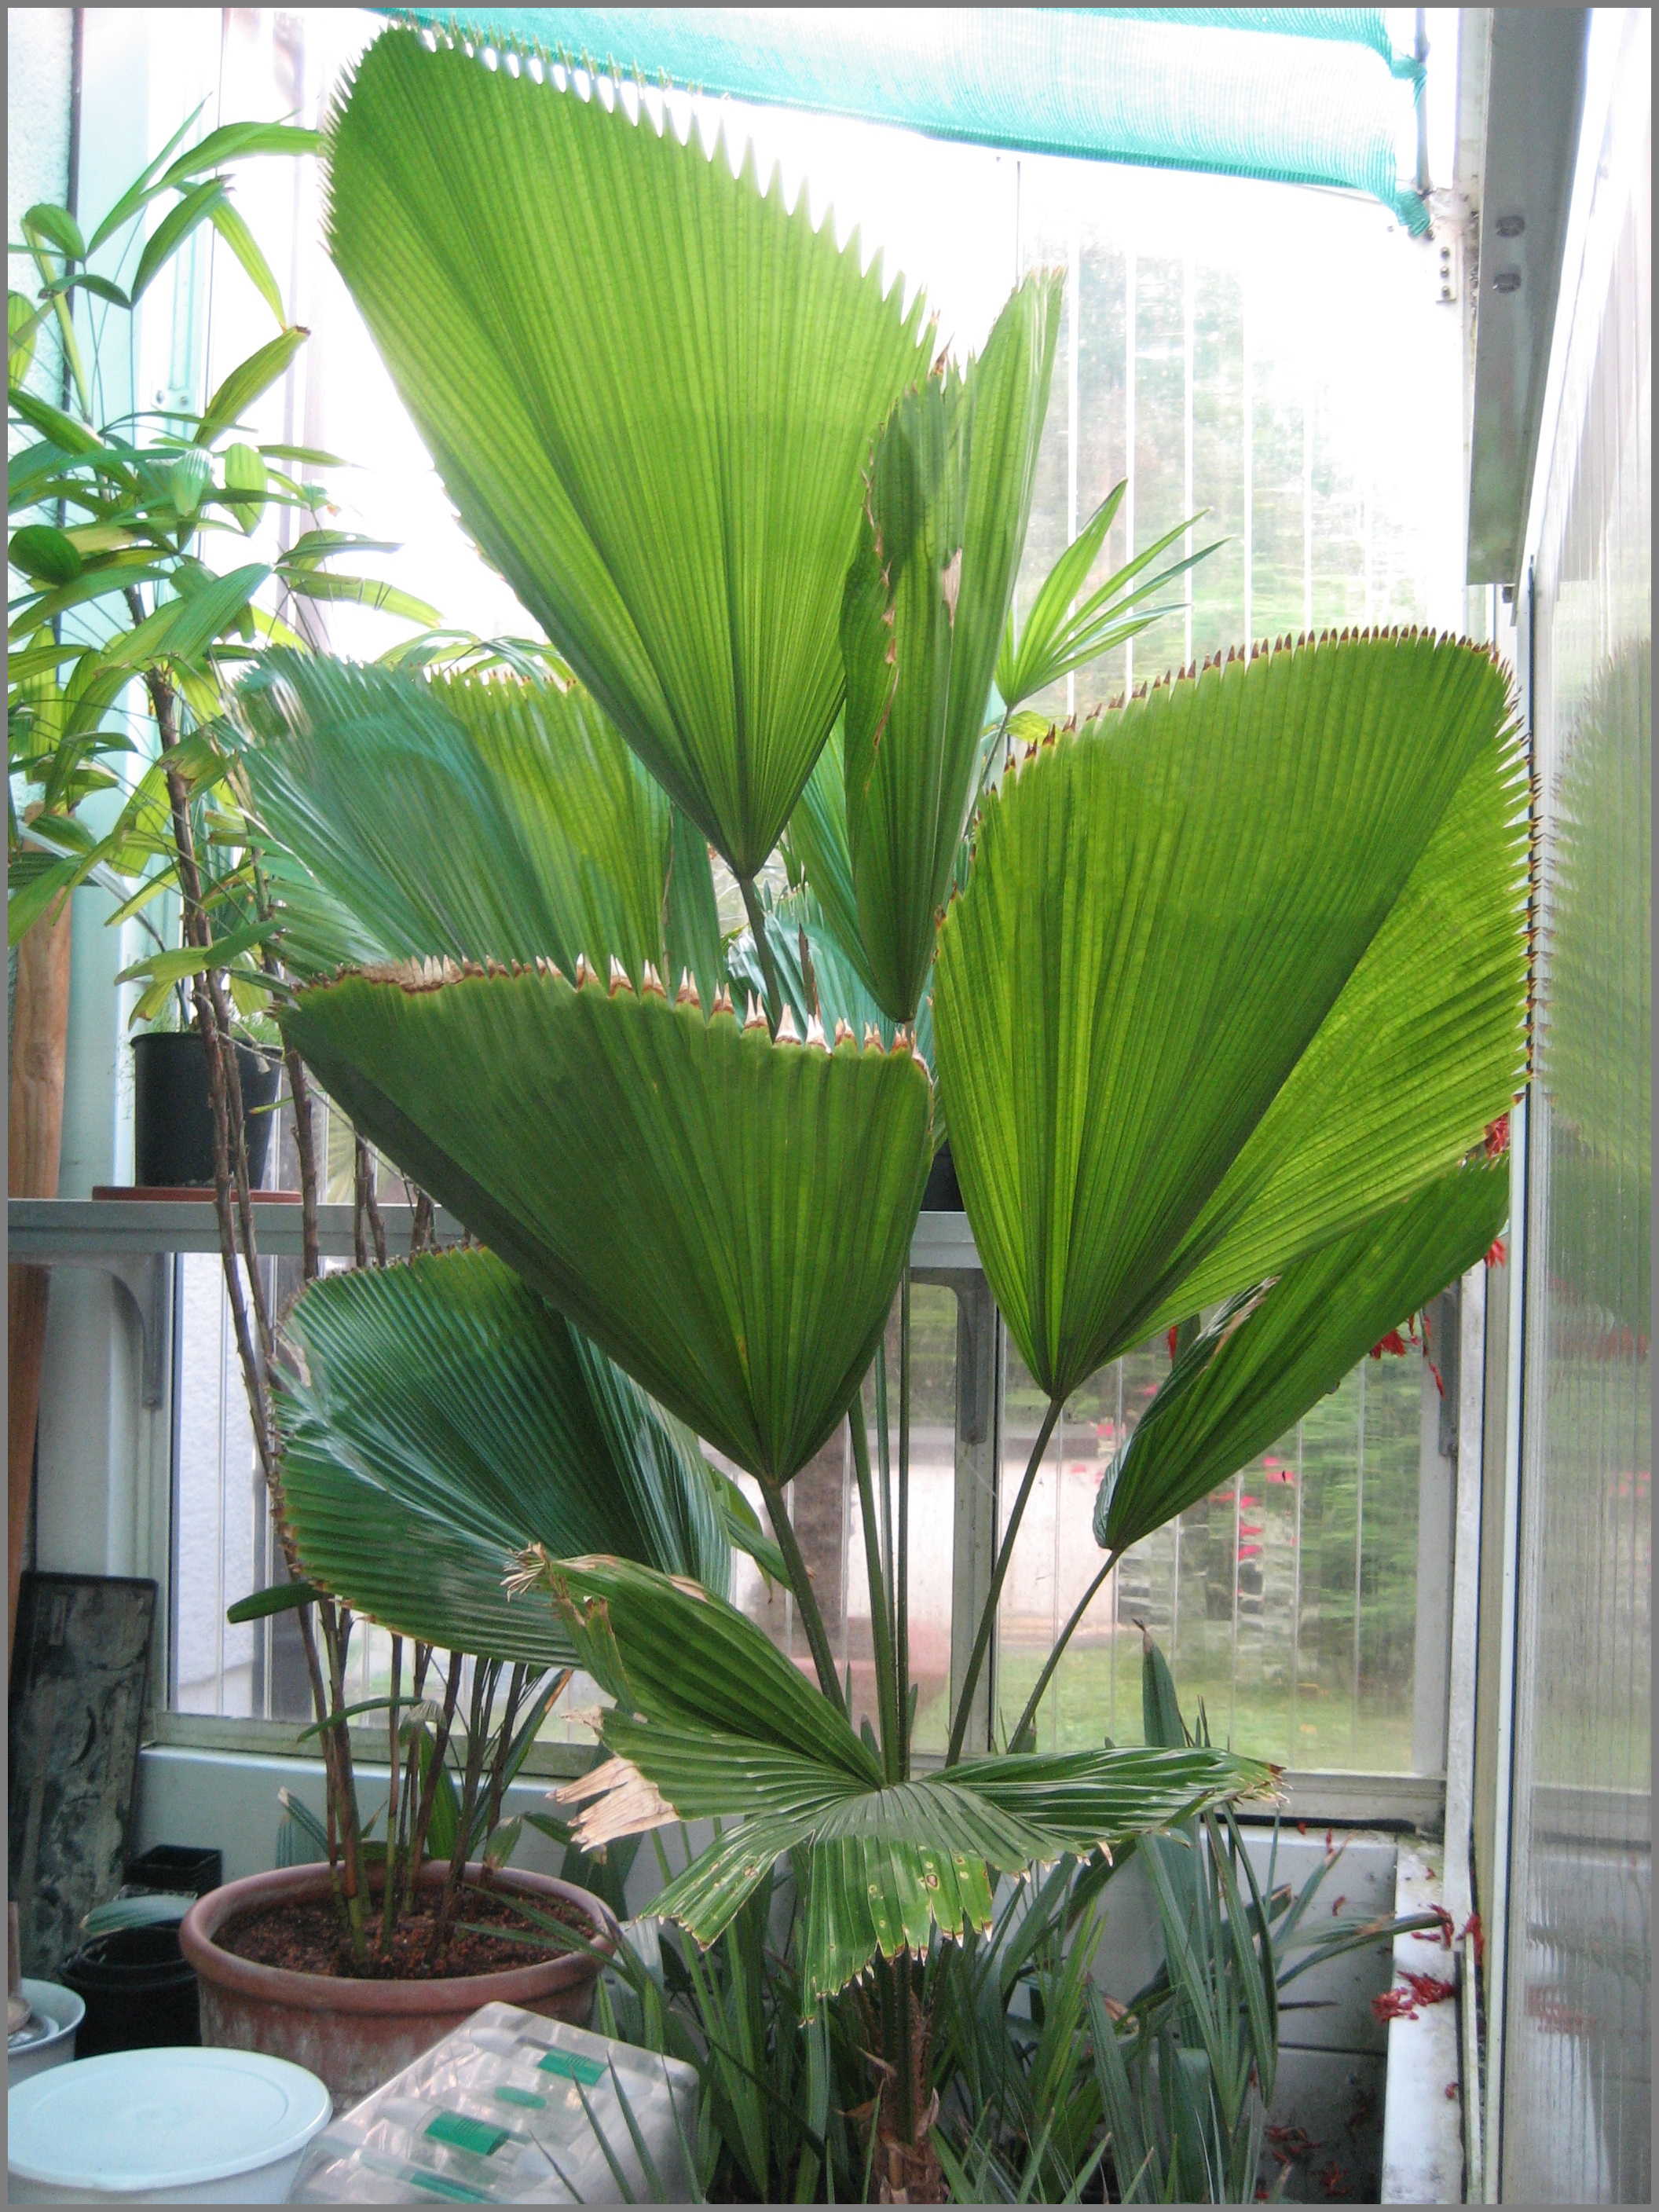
[[711, 1720], [445, 1420], [649, 387], [726, 1216], [1238, 965], [481, 817]]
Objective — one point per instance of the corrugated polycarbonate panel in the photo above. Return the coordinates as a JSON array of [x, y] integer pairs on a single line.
[[1576, 2087]]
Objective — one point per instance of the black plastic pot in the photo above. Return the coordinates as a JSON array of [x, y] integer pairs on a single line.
[[182, 1870], [944, 1193], [172, 1121], [139, 1991]]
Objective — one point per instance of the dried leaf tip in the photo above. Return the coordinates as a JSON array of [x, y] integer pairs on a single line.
[[620, 979], [652, 982], [722, 1002], [687, 994], [754, 1014], [787, 1033], [844, 1031], [815, 1033], [871, 1038], [584, 974]]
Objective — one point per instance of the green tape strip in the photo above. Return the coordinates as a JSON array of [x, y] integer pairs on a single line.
[[461, 2132], [587, 2071]]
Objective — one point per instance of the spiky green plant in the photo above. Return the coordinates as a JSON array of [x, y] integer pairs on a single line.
[[1224, 986]]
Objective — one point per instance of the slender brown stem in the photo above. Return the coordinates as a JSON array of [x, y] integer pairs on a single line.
[[987, 1619], [484, 1676], [440, 1744], [389, 1889], [305, 1147]]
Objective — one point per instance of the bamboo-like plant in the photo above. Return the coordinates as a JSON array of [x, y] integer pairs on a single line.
[[1224, 987]]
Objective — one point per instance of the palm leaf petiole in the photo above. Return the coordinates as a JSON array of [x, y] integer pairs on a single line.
[[1061, 1642], [800, 1585], [999, 1576], [887, 1692]]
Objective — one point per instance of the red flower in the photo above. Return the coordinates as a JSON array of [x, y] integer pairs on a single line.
[[1171, 1340], [1393, 1343], [1442, 1934], [1498, 1138], [1498, 1253]]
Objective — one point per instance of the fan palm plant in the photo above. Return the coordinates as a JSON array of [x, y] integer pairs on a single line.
[[1223, 985]]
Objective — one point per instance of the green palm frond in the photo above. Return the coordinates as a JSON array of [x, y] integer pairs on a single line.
[[712, 1720], [928, 599], [648, 385], [725, 1216], [446, 1421], [464, 817], [1059, 635], [1271, 1354], [1236, 967]]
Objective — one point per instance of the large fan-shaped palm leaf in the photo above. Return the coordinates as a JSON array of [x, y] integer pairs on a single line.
[[471, 818], [712, 1720], [927, 601], [447, 1420], [1236, 968], [725, 1216], [648, 386], [1270, 1355]]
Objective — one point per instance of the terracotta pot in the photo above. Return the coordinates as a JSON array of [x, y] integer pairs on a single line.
[[355, 2034]]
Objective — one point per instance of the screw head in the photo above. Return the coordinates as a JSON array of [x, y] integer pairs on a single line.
[[1507, 280], [1510, 226]]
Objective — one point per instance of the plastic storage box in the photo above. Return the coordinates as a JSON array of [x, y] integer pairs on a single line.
[[514, 2109]]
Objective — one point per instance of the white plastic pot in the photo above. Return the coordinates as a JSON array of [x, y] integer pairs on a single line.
[[48, 2001], [163, 2127]]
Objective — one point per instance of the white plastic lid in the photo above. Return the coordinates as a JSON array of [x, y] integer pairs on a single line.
[[161, 2119]]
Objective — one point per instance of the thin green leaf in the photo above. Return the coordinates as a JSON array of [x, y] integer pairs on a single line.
[[170, 233], [58, 226], [242, 243], [1269, 1356], [234, 142], [361, 591], [926, 602], [247, 380], [244, 475]]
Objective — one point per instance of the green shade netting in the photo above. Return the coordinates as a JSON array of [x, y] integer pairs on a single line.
[[1301, 95]]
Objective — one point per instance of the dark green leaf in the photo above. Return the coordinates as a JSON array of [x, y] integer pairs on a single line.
[[281, 1597]]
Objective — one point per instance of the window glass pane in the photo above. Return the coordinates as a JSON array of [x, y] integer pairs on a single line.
[[1285, 1601], [824, 1505]]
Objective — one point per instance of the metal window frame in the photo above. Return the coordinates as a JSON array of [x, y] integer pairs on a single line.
[[132, 1239]]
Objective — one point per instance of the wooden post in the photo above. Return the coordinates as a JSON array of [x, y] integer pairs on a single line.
[[38, 1037]]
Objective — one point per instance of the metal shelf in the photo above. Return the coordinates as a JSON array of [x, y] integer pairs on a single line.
[[88, 1231]]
